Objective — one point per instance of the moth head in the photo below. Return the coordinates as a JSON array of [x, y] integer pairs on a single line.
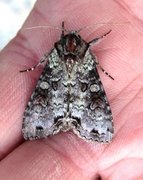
[[71, 44]]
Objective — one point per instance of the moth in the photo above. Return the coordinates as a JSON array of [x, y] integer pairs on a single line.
[[69, 94]]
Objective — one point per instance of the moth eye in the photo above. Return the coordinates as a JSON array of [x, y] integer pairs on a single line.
[[84, 87]]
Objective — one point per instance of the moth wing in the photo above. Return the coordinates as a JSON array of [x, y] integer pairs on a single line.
[[46, 103], [91, 107]]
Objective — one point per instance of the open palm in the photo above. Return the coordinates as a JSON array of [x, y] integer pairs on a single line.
[[65, 156]]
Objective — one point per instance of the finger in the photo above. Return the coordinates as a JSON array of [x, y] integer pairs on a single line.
[[50, 159], [28, 47]]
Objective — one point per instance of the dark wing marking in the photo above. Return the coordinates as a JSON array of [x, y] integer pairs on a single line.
[[90, 107], [46, 103]]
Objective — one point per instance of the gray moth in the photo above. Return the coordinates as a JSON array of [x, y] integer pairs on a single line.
[[69, 94]]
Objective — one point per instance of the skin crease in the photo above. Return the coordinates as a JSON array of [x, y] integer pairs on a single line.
[[65, 156]]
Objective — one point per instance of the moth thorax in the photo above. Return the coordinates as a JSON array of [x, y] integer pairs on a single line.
[[70, 63]]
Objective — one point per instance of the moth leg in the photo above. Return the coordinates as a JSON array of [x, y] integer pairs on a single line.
[[98, 39], [103, 70], [63, 30], [44, 59]]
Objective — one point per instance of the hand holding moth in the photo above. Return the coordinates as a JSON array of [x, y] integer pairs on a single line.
[[69, 94], [64, 155]]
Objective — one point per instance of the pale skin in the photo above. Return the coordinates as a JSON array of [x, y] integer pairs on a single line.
[[65, 156]]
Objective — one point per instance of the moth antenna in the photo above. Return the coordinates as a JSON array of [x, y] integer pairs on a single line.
[[90, 26], [43, 26], [107, 48]]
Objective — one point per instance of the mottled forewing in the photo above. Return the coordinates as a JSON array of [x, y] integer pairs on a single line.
[[46, 103], [91, 107]]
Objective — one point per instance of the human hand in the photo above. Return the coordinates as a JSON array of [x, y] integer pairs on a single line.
[[65, 156]]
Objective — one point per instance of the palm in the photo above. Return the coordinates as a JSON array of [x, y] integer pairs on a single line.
[[64, 156]]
